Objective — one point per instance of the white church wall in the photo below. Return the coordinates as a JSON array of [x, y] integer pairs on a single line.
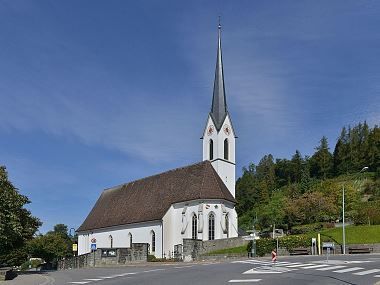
[[141, 233], [179, 217], [224, 168]]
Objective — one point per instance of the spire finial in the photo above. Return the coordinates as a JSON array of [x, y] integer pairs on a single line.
[[219, 25]]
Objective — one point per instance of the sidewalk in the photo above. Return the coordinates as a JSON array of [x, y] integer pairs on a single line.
[[30, 279]]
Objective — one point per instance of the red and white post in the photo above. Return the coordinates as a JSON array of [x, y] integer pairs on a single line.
[[274, 257]]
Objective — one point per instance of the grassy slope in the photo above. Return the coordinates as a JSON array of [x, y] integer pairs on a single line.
[[355, 234]]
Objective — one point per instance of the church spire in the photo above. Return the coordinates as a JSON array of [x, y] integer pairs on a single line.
[[219, 105]]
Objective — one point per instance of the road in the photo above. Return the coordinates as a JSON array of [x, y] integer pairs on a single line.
[[349, 269]]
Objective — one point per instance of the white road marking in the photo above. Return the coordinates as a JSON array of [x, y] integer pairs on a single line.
[[92, 279], [331, 268], [367, 272], [348, 269], [79, 282], [179, 267], [153, 270], [315, 266], [376, 276], [299, 265], [244, 280]]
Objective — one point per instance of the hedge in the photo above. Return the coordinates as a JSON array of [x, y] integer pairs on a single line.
[[266, 245]]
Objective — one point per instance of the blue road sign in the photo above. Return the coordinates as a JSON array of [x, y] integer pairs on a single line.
[[93, 246]]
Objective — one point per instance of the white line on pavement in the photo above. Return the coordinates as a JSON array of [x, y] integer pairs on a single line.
[[376, 276], [179, 267], [367, 272], [80, 282], [153, 270], [243, 280], [348, 269], [299, 265], [315, 266], [92, 279], [331, 268]]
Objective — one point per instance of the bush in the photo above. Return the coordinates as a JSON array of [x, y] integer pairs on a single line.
[[151, 258], [30, 264], [304, 229], [266, 245]]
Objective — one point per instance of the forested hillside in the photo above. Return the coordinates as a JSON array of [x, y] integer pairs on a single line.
[[308, 189]]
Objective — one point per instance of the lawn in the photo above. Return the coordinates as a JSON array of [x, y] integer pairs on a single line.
[[239, 249], [355, 234]]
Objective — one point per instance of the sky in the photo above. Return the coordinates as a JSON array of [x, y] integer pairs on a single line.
[[94, 94]]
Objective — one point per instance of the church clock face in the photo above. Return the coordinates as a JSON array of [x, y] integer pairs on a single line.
[[227, 130], [210, 130]]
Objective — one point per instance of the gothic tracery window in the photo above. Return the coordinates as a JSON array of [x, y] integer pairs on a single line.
[[227, 225], [153, 241], [194, 226], [211, 226]]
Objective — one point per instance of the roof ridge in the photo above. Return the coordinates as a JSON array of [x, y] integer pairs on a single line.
[[150, 176]]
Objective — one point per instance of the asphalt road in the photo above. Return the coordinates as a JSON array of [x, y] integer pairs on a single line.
[[350, 269]]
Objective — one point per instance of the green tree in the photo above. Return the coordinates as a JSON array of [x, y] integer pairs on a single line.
[[321, 162], [50, 247], [17, 225]]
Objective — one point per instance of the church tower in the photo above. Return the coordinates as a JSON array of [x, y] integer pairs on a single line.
[[219, 135]]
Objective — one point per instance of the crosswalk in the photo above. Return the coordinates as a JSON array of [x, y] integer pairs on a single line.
[[337, 266]]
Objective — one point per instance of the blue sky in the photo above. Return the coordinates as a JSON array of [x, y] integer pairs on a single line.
[[97, 93]]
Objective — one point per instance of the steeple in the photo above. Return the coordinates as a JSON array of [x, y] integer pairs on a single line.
[[219, 105]]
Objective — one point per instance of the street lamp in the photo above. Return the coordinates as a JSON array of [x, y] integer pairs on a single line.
[[365, 168], [70, 232]]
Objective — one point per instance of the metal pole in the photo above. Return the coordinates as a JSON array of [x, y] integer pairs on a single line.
[[344, 230]]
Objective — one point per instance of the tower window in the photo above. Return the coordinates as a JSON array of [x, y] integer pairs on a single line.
[[211, 226], [211, 149], [226, 149], [194, 227]]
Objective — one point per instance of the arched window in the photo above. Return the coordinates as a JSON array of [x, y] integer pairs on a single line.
[[130, 239], [227, 225], [153, 241], [211, 226], [226, 149], [111, 240], [211, 149], [194, 227]]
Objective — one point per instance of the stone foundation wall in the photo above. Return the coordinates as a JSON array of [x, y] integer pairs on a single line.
[[107, 257], [194, 249]]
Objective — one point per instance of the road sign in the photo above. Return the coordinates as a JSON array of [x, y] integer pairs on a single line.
[[93, 240], [75, 247], [328, 244], [93, 246]]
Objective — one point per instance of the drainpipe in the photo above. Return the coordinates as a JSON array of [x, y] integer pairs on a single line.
[[162, 238]]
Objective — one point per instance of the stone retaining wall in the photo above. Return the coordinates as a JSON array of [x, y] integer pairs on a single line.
[[107, 257], [194, 249]]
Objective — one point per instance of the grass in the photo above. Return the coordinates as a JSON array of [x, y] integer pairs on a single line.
[[236, 250], [355, 234]]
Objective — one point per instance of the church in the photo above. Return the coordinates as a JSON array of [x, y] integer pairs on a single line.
[[195, 201]]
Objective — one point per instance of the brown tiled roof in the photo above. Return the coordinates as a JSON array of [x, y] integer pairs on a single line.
[[149, 198]]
